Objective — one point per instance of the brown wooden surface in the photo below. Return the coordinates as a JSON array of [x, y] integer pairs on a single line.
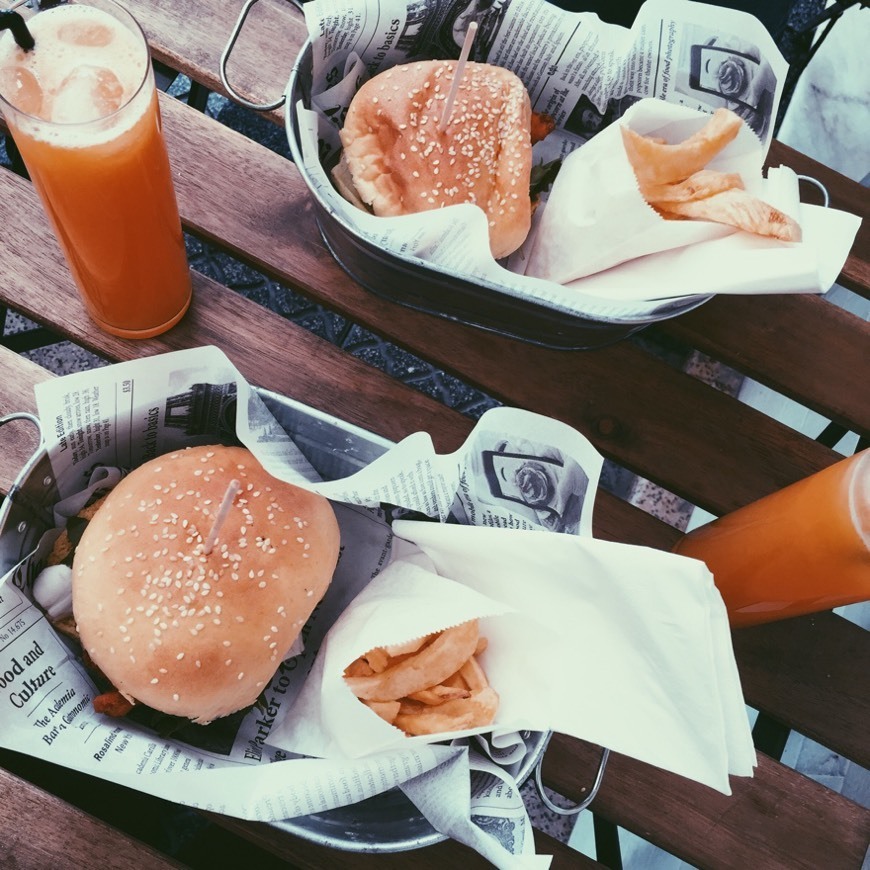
[[777, 819], [307, 856], [811, 674], [39, 830], [652, 419], [796, 328]]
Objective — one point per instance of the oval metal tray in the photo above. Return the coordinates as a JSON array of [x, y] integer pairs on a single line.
[[423, 286]]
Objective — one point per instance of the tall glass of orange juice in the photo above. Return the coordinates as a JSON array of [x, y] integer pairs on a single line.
[[82, 108], [803, 549]]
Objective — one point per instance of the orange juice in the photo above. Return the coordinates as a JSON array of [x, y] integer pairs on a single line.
[[803, 549], [82, 108]]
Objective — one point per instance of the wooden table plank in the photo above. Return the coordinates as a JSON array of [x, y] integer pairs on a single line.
[[811, 674], [39, 830], [795, 324], [307, 856], [190, 35], [778, 819]]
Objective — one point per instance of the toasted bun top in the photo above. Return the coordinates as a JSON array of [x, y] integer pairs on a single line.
[[187, 633], [402, 163]]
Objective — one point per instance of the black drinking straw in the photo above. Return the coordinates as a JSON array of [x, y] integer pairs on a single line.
[[13, 21]]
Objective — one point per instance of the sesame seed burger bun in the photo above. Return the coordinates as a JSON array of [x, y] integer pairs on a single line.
[[191, 634], [401, 163]]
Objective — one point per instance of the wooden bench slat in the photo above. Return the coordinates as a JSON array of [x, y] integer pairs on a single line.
[[189, 36], [800, 326], [308, 856], [39, 830], [778, 819], [810, 674]]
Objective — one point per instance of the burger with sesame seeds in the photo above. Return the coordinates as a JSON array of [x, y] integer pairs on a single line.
[[194, 578], [401, 156]]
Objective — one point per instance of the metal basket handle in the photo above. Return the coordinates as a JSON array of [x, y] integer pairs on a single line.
[[578, 808], [12, 496], [30, 418], [816, 183], [225, 56], [24, 415]]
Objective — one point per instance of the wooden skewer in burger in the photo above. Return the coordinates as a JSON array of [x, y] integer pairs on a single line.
[[422, 136]]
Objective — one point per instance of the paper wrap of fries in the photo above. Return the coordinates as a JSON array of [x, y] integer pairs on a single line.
[[598, 233], [622, 646]]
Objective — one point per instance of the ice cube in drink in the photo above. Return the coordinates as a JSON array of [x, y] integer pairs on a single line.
[[85, 33], [86, 94], [22, 89]]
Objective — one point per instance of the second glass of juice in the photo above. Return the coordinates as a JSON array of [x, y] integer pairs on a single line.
[[800, 550], [82, 109]]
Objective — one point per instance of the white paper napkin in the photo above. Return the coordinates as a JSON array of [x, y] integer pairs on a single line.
[[626, 647], [598, 235]]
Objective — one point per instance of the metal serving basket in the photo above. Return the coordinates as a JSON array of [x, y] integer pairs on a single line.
[[413, 282], [386, 823], [417, 284]]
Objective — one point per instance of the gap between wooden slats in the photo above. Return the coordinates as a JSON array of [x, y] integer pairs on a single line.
[[777, 332]]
